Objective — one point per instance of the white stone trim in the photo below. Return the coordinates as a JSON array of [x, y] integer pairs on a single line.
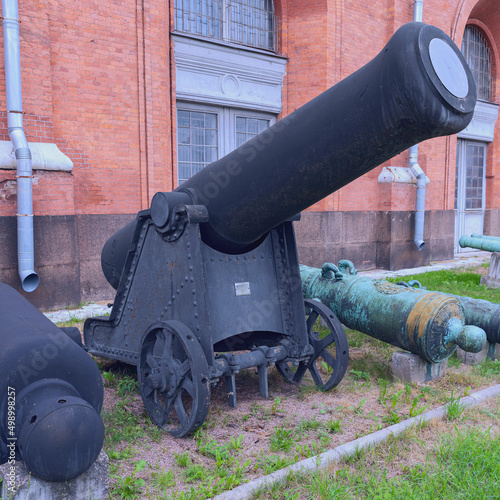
[[223, 75], [482, 126], [44, 156]]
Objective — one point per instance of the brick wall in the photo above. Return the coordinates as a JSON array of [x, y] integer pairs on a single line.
[[97, 81]]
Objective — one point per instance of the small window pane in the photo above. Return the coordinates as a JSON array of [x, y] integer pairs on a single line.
[[247, 128], [477, 54], [197, 137], [474, 174], [183, 118], [199, 17], [251, 22], [211, 137]]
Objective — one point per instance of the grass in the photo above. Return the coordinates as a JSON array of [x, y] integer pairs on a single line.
[[454, 461], [455, 281]]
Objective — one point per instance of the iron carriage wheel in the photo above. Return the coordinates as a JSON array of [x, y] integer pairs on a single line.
[[334, 365], [174, 378]]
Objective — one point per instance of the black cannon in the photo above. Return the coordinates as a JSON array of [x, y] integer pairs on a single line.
[[208, 278], [52, 394]]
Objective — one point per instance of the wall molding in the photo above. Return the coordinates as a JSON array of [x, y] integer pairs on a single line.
[[44, 156], [227, 76], [482, 125]]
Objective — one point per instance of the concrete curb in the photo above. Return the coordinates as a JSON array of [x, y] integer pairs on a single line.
[[246, 491]]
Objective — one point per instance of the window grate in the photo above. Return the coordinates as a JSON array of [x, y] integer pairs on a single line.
[[243, 22], [478, 57], [196, 141]]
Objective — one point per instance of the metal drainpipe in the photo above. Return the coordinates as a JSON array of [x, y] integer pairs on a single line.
[[25, 245], [418, 238]]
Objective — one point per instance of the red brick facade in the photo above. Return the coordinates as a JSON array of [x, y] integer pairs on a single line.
[[99, 81]]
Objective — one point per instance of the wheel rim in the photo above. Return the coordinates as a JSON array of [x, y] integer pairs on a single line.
[[173, 378], [327, 370]]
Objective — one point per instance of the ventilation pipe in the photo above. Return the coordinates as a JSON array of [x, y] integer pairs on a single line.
[[418, 238], [25, 245]]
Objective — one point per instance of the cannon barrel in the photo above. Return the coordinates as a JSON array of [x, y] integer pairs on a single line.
[[418, 87], [478, 312], [53, 393], [429, 324], [490, 244], [486, 237], [484, 314]]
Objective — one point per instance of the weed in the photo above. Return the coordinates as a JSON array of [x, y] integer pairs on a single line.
[[414, 411], [274, 407], [326, 367], [392, 418], [183, 459], [407, 391], [360, 375], [454, 408], [273, 463], [355, 456], [309, 424], [163, 479], [123, 454], [194, 472], [382, 383], [282, 439], [489, 369], [358, 409], [131, 486], [109, 378], [324, 410], [219, 452], [334, 426], [395, 399], [454, 362], [127, 385], [121, 424]]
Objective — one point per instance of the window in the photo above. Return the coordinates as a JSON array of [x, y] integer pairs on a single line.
[[470, 175], [197, 141], [477, 54], [244, 22], [207, 133]]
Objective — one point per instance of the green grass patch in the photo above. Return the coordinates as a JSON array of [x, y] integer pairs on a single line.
[[454, 281]]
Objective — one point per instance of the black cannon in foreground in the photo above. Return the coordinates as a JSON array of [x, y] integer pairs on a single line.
[[208, 279], [52, 394]]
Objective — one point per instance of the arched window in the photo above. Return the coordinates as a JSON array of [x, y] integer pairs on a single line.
[[244, 22], [477, 54]]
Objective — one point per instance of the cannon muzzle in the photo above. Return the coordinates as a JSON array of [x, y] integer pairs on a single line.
[[418, 87], [52, 396]]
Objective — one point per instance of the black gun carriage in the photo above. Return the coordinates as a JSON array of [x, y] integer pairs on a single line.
[[208, 279]]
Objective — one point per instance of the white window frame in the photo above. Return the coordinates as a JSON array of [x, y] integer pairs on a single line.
[[226, 123]]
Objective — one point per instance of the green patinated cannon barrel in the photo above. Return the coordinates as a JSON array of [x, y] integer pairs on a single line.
[[429, 324], [481, 313], [486, 237], [490, 244], [484, 314], [418, 87]]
